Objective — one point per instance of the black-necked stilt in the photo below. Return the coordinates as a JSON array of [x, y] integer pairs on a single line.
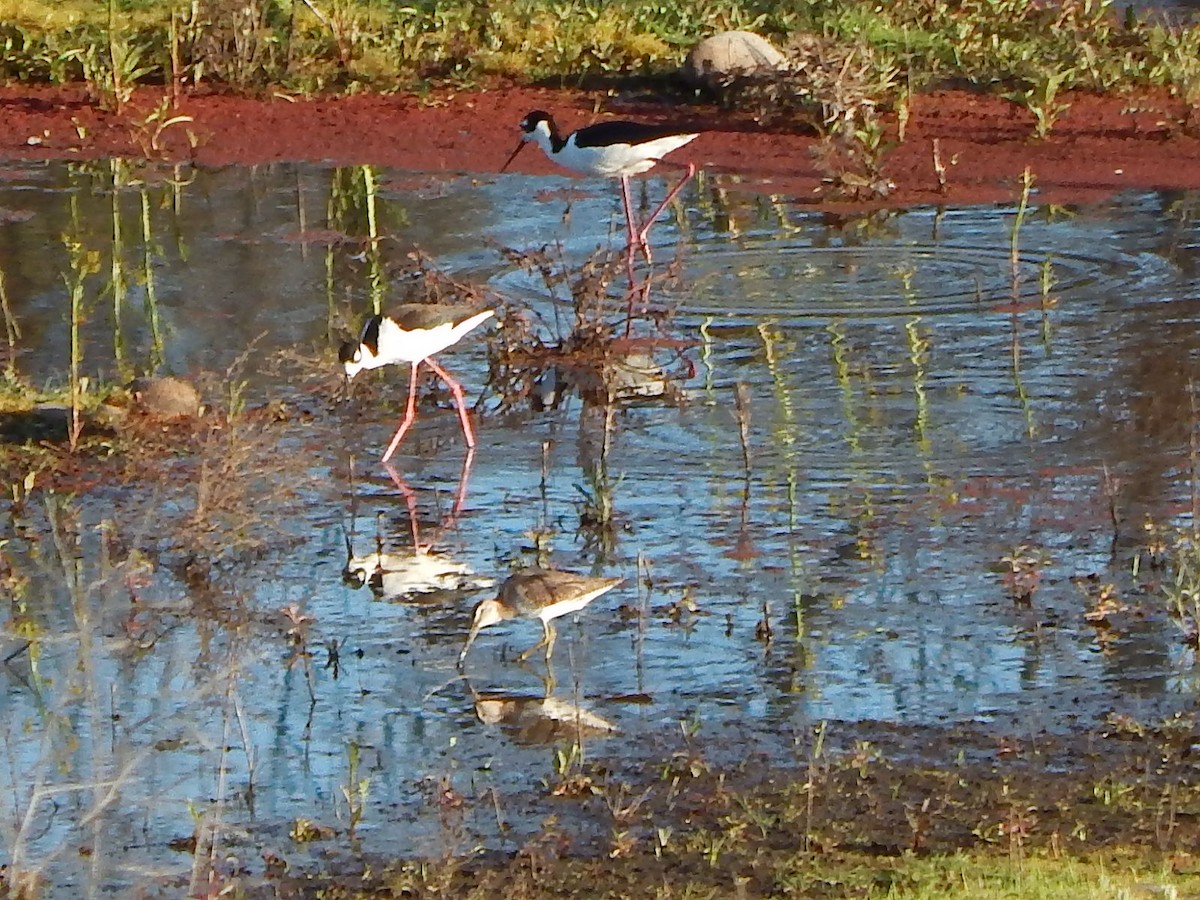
[[412, 334], [543, 594], [612, 150]]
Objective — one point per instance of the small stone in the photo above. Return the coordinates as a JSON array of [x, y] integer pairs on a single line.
[[166, 397]]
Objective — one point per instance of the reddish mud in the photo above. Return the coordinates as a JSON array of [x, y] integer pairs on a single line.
[[1100, 146]]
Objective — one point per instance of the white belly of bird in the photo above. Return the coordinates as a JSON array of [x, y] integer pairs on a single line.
[[616, 160], [573, 605], [397, 345]]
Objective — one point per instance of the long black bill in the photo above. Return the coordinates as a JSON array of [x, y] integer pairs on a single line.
[[346, 353], [520, 146]]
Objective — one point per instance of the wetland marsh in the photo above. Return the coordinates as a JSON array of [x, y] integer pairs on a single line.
[[899, 474]]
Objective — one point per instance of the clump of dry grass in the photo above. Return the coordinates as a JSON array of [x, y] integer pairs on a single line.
[[536, 364], [839, 90]]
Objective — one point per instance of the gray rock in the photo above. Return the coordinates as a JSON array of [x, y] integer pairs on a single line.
[[167, 397], [719, 59]]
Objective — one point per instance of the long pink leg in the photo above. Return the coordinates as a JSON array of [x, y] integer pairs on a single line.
[[460, 496], [456, 390], [630, 252], [410, 414], [630, 229], [638, 237], [690, 170]]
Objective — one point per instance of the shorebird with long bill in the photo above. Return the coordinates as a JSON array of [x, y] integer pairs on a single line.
[[412, 334], [616, 149], [542, 594]]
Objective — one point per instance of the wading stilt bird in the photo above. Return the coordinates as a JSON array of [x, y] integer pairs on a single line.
[[412, 334], [543, 594], [612, 150]]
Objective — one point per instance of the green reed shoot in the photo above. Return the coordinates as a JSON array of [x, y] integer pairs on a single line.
[[149, 252], [1047, 280], [841, 364], [1027, 182], [370, 196], [354, 208], [918, 355], [12, 330], [597, 509], [116, 55], [772, 339], [815, 765], [81, 263], [118, 282], [1042, 100], [1014, 234], [356, 791], [301, 213]]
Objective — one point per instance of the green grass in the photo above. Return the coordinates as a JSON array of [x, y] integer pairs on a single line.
[[1013, 45], [978, 876]]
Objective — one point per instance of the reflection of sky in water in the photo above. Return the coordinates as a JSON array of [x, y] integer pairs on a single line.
[[896, 458]]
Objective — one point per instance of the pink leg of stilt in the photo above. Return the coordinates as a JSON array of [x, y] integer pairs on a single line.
[[631, 246], [456, 390], [409, 414], [690, 170], [460, 496], [630, 230]]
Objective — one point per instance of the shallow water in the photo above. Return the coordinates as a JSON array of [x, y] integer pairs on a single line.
[[915, 414]]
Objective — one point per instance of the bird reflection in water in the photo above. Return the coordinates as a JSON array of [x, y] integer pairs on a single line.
[[419, 572], [539, 720]]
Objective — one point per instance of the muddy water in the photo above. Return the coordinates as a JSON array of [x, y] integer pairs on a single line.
[[918, 407]]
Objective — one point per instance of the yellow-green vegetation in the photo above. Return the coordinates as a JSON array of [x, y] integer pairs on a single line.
[[917, 813], [1033, 50], [958, 876], [1181, 590], [998, 877]]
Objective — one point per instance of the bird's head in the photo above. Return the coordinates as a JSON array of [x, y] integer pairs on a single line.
[[353, 357], [487, 612], [538, 120], [363, 353], [536, 126]]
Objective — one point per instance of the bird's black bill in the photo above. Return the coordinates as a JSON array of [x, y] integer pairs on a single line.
[[520, 146]]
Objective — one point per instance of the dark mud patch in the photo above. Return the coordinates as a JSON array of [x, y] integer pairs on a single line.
[[842, 812]]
